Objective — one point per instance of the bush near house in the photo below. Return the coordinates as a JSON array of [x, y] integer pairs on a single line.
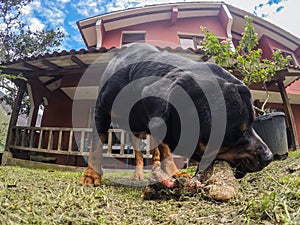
[[246, 59]]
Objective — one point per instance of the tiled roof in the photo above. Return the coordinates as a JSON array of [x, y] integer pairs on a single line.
[[59, 62], [60, 53], [93, 50], [81, 59]]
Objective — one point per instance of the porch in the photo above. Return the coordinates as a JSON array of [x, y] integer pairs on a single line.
[[71, 146], [66, 84]]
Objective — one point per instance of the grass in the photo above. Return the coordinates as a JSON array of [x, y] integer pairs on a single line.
[[29, 196]]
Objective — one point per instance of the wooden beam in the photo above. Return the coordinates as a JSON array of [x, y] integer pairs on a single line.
[[289, 115], [14, 71], [50, 64], [78, 61], [53, 80], [15, 112], [64, 71], [174, 15], [297, 52], [32, 67], [287, 72]]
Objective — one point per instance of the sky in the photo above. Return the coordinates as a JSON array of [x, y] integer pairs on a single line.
[[64, 14]]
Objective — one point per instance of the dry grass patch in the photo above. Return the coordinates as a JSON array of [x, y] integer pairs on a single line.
[[31, 196]]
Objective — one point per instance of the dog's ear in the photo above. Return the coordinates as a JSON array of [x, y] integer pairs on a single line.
[[247, 99], [244, 91], [155, 101], [156, 97]]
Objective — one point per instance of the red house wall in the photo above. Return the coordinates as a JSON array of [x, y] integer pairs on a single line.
[[161, 33], [164, 34], [264, 44], [268, 45], [57, 112], [223, 18]]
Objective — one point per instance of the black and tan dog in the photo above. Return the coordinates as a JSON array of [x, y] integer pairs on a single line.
[[219, 120]]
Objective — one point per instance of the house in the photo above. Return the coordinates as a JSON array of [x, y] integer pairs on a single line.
[[66, 83]]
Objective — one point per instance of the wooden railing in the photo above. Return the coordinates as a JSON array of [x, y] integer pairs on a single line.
[[72, 141]]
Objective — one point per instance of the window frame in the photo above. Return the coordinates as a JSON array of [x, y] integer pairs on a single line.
[[195, 37], [122, 43]]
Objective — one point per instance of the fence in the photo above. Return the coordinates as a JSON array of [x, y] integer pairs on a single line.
[[72, 141]]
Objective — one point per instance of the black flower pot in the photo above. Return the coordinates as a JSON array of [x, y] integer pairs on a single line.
[[272, 129]]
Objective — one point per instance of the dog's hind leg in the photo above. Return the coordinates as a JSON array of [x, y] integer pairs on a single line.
[[139, 162], [167, 160]]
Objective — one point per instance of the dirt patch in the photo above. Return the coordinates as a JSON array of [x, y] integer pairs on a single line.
[[216, 182]]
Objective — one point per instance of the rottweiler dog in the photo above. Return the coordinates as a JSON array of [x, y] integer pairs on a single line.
[[195, 109]]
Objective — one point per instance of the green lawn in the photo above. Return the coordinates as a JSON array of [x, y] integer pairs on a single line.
[[29, 196]]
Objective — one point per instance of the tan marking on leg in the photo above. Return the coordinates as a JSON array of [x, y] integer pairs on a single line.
[[140, 135], [167, 160], [157, 172], [139, 165], [243, 126], [156, 157], [202, 147], [139, 162], [92, 174]]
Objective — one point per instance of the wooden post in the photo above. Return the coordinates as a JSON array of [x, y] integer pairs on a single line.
[[70, 141], [59, 140], [122, 142], [34, 116], [82, 142], [289, 114], [109, 143], [15, 112]]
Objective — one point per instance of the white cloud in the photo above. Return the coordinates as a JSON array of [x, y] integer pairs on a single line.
[[288, 18], [269, 8], [26, 10], [78, 38], [73, 24], [51, 13], [121, 5], [36, 24], [88, 8]]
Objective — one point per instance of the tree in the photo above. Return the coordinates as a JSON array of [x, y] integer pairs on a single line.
[[17, 40], [246, 59]]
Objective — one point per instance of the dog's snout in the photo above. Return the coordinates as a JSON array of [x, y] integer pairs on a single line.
[[266, 157]]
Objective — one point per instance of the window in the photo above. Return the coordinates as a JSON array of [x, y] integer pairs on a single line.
[[190, 41], [293, 61], [133, 37], [194, 42]]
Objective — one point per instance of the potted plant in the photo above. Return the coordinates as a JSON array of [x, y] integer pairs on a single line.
[[245, 60]]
